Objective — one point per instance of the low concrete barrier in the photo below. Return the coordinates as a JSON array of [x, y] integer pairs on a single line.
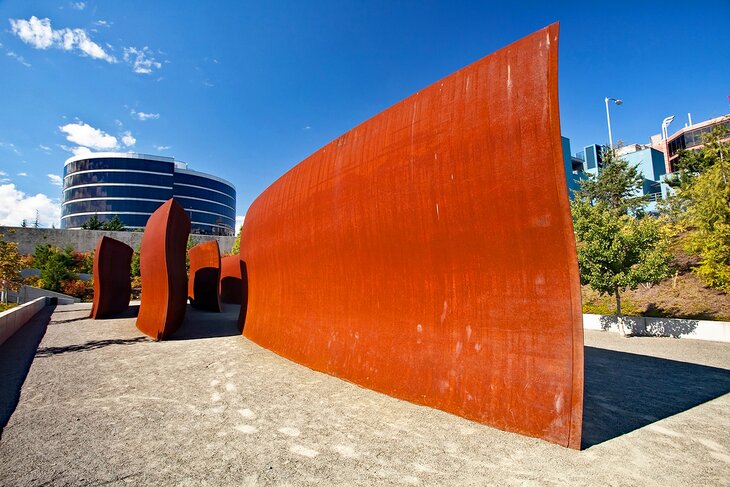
[[14, 318], [718, 331], [30, 293]]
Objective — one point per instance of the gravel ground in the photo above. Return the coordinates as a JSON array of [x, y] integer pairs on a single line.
[[103, 404]]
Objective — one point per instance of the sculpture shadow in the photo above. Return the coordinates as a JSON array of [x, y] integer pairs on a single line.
[[130, 312], [90, 345], [648, 326], [16, 357], [624, 391], [199, 324]]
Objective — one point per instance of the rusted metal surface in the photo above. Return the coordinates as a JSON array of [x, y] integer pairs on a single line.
[[429, 254], [230, 285], [205, 271], [164, 277], [112, 277]]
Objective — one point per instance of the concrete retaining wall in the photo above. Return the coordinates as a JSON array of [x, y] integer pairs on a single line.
[[718, 331], [30, 293], [13, 319], [85, 240]]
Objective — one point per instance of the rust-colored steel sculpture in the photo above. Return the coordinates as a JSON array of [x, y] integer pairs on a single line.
[[230, 285], [112, 277], [162, 265], [428, 253], [205, 271]]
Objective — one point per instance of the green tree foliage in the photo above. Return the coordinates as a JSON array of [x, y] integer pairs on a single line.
[[236, 249], [54, 271], [617, 186], [93, 223], [701, 207], [10, 265], [618, 248], [190, 245], [58, 265], [115, 224], [135, 263]]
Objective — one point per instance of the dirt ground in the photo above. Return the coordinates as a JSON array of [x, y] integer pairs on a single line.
[[102, 404]]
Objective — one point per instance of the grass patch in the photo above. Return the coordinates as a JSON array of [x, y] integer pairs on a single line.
[[681, 296], [5, 307]]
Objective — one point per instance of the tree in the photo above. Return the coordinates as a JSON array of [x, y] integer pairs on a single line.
[[54, 272], [701, 207], [10, 266], [93, 223], [37, 223], [24, 223], [236, 249], [55, 265], [618, 247], [115, 224], [618, 185], [135, 263], [190, 245]]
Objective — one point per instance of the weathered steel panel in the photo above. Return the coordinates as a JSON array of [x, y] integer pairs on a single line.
[[230, 285], [164, 277], [429, 253], [112, 277], [205, 271]]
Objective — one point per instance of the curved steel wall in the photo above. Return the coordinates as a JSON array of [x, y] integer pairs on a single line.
[[133, 186], [429, 253]]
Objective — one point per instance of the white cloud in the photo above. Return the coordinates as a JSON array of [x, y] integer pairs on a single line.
[[162, 147], [45, 148], [78, 5], [239, 223], [36, 32], [39, 34], [16, 206], [18, 58], [56, 180], [141, 60], [10, 146], [3, 173], [103, 23], [88, 136], [128, 139], [22, 174], [77, 151], [144, 116]]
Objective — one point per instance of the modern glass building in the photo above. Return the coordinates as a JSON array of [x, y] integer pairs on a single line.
[[132, 186]]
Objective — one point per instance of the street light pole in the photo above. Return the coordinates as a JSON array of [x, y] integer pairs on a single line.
[[608, 119]]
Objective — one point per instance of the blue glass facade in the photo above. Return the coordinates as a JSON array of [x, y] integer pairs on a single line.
[[133, 186]]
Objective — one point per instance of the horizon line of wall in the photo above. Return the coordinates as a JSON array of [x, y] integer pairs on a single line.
[[85, 240]]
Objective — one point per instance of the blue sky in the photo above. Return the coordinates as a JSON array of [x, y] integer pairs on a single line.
[[246, 90]]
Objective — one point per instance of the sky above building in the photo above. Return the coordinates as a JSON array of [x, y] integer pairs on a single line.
[[246, 90]]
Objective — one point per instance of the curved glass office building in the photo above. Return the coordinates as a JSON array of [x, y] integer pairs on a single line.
[[132, 186]]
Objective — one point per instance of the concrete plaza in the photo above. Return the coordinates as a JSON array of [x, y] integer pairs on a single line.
[[103, 404]]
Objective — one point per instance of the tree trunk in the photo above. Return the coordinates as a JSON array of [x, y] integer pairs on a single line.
[[619, 316]]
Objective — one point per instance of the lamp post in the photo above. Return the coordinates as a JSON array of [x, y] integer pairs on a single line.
[[665, 126], [665, 134], [608, 118]]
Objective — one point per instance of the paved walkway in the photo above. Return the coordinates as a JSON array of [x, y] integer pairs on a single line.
[[103, 404]]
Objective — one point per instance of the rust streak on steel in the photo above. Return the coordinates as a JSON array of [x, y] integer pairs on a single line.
[[205, 271], [428, 253], [112, 277], [230, 285], [162, 265]]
